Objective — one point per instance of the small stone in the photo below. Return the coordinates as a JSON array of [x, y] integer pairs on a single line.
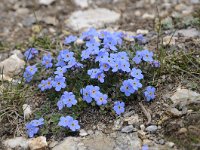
[[142, 134], [188, 33], [161, 141], [68, 143], [46, 2], [16, 143], [83, 132], [152, 128], [144, 32], [170, 144], [27, 111], [175, 112], [96, 18], [137, 13], [148, 16], [22, 11], [182, 130], [79, 42], [117, 124], [130, 113], [169, 40], [28, 21], [50, 20], [128, 129], [38, 143], [81, 3], [90, 132], [142, 127], [134, 120]]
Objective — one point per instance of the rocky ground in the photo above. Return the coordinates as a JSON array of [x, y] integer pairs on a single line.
[[170, 122]]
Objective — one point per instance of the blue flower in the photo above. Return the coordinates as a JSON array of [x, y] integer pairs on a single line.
[[135, 83], [67, 55], [69, 99], [47, 61], [137, 73], [85, 54], [101, 55], [33, 127], [126, 88], [49, 82], [28, 77], [86, 94], [101, 99], [147, 56], [155, 63], [138, 57], [101, 77], [110, 43], [60, 104], [94, 91], [38, 122], [70, 39], [31, 69], [150, 93], [60, 71], [140, 38], [31, 130], [59, 83], [93, 46], [119, 107], [145, 147], [123, 56], [60, 61], [30, 53], [42, 85], [104, 65], [124, 66], [71, 63], [90, 34], [73, 125], [65, 121], [94, 73]]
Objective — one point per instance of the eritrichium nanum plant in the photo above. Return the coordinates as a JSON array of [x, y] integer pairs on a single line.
[[97, 68]]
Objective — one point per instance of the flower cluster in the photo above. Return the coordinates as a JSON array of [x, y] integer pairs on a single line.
[[33, 126], [69, 122], [88, 69], [67, 99], [92, 92]]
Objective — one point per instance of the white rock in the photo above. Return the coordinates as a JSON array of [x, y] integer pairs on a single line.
[[18, 142], [97, 18], [68, 144], [46, 2], [27, 110], [11, 66], [140, 31], [50, 20], [79, 42], [81, 3], [148, 16], [185, 97], [128, 129], [170, 144], [169, 40], [189, 33], [83, 132], [152, 128], [134, 120], [37, 143]]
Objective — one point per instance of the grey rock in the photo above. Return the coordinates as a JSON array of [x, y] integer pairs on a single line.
[[96, 18], [50, 20], [152, 128], [17, 142], [188, 33], [83, 132], [128, 129], [170, 144], [28, 21], [175, 112], [161, 141], [134, 120], [81, 3], [69, 143], [195, 1]]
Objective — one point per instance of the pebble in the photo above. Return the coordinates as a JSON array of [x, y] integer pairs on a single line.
[[170, 144], [83, 132], [81, 3], [130, 113], [167, 23], [28, 21], [27, 111], [161, 141], [182, 130], [175, 112], [144, 32], [96, 18], [46, 2], [142, 134], [152, 128], [142, 127], [117, 124], [50, 20], [169, 40], [134, 120], [90, 132], [37, 143], [148, 16], [128, 129]]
